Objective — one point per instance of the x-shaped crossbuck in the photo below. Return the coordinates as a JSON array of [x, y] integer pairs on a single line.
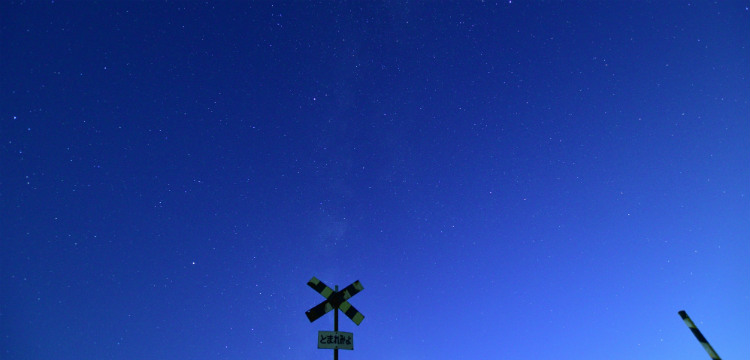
[[335, 300]]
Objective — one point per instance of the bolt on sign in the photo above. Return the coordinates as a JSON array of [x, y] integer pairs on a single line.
[[335, 340]]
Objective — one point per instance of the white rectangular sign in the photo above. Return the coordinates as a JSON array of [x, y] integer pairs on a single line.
[[335, 340]]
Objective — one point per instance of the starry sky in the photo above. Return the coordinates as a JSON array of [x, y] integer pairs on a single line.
[[515, 179]]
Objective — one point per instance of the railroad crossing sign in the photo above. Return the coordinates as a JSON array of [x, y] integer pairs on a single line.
[[335, 300], [698, 335]]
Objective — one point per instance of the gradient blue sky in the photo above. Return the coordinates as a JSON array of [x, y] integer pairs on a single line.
[[516, 179]]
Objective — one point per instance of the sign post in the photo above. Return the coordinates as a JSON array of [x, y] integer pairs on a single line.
[[335, 300], [336, 325]]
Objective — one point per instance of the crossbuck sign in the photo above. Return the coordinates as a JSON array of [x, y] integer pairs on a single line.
[[335, 300]]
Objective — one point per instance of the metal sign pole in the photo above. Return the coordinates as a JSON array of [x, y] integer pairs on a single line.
[[336, 325]]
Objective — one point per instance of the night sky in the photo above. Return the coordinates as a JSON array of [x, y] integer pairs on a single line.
[[516, 179]]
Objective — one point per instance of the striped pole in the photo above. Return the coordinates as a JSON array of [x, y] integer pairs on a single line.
[[698, 335]]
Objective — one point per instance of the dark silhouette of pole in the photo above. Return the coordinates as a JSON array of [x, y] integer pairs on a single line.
[[710, 350], [336, 326]]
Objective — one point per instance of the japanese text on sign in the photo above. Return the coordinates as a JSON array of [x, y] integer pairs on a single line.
[[335, 340]]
